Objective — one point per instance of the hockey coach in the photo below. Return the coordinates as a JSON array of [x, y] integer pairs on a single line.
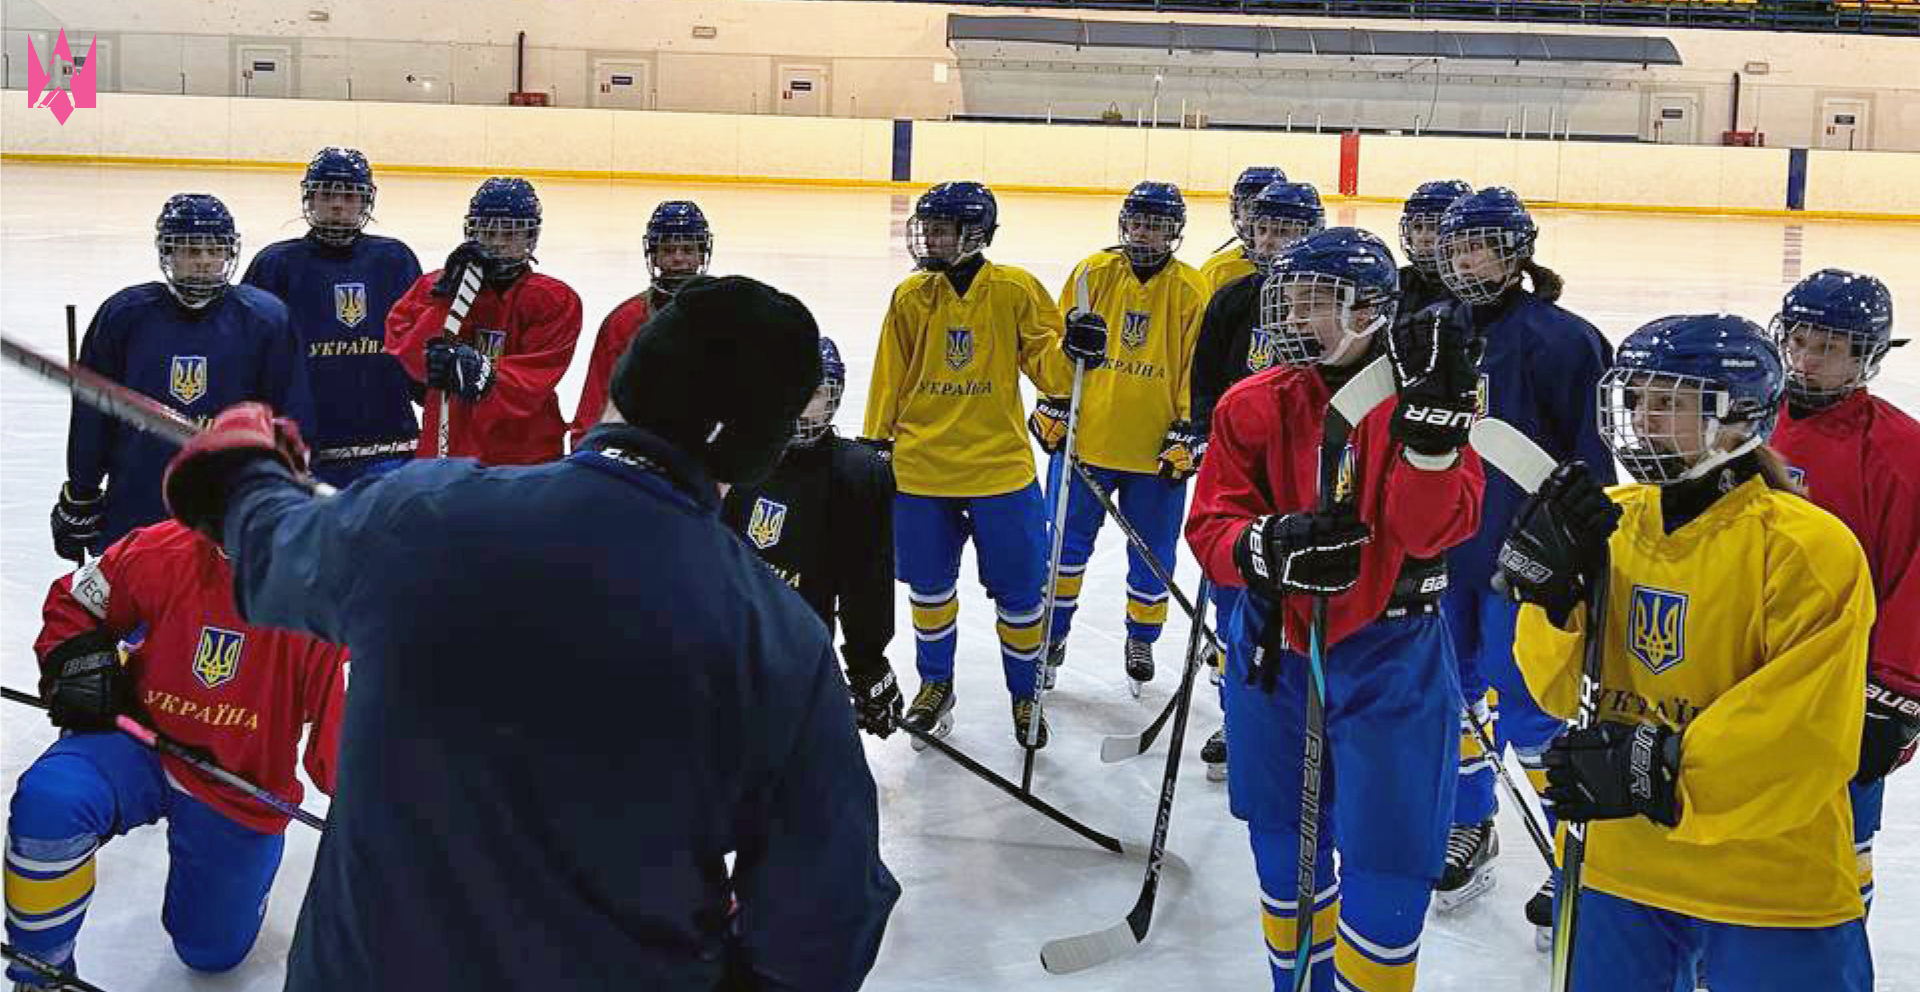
[[574, 691]]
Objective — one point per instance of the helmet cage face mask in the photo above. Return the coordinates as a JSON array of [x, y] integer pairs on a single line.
[[1804, 343], [508, 241], [330, 231], [670, 280], [938, 243], [1148, 239], [1296, 306], [1666, 428], [816, 419], [1284, 232], [1478, 264], [192, 282], [1420, 240]]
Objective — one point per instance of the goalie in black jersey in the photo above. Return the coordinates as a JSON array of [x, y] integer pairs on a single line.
[[824, 521]]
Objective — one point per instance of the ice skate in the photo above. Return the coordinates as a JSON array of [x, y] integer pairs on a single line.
[[1468, 873], [1540, 914], [1139, 665], [1024, 712], [931, 712], [1050, 668], [1214, 753]]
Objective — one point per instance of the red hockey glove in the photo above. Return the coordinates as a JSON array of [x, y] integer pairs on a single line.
[[197, 479]]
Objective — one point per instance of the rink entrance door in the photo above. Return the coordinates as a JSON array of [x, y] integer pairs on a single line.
[[622, 84], [1674, 119], [803, 90], [265, 70], [1843, 124]]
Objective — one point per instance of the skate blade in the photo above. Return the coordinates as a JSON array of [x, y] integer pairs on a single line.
[[1543, 939], [1134, 688], [939, 732], [1217, 773], [1477, 886]]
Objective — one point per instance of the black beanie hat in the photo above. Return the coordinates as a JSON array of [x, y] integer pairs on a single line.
[[721, 372]]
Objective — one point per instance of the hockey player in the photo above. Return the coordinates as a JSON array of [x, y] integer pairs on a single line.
[[824, 520], [679, 245], [1406, 491], [339, 283], [1420, 282], [193, 342], [1728, 704], [1859, 458], [1541, 364], [204, 678], [1234, 259], [499, 375], [1136, 434], [1233, 345], [693, 706], [945, 400]]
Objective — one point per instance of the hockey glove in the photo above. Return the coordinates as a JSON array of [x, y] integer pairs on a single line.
[[459, 369], [76, 523], [1436, 373], [84, 684], [1317, 554], [1556, 539], [199, 480], [1181, 452], [876, 700], [468, 254], [1611, 771], [1086, 339], [1893, 724], [1048, 423]]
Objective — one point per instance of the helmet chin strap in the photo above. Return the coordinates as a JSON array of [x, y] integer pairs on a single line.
[[1348, 339], [1714, 459]]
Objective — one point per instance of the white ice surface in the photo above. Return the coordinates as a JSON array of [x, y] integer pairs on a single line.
[[986, 882]]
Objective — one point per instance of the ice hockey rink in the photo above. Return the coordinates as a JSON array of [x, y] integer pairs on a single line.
[[985, 881]]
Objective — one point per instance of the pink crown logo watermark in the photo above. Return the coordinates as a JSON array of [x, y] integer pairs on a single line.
[[43, 89]]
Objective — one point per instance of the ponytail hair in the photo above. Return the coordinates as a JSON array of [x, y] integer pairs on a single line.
[[1773, 468], [1547, 283]]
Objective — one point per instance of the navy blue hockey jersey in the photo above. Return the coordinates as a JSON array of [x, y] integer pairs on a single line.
[[239, 347], [338, 298], [574, 692]]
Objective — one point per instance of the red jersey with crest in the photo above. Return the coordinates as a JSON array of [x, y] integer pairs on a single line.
[[1263, 458], [1860, 461], [615, 333], [529, 330], [203, 676]]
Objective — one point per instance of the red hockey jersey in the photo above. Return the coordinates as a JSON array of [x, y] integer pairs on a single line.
[[529, 331], [203, 676], [1860, 461], [615, 333], [1263, 458]]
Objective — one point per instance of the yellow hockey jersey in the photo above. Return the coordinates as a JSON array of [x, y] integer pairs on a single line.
[[1224, 266], [946, 387], [1146, 385], [1746, 629]]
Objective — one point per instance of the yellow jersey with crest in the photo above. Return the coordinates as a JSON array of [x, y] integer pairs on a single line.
[[946, 380], [1225, 266], [1746, 630], [1152, 327]]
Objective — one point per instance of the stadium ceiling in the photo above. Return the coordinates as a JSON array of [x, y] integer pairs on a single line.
[[1499, 46]]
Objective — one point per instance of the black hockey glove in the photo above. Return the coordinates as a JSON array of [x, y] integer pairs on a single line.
[[1611, 771], [84, 684], [1893, 724], [1317, 554], [458, 369], [1556, 539], [1181, 452], [876, 700], [1048, 423], [468, 254], [76, 522], [1436, 371], [1086, 339]]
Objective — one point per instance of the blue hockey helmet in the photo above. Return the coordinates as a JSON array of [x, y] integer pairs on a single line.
[[1833, 329], [1484, 238], [504, 218], [677, 223], [199, 247], [1251, 181], [1420, 221], [1152, 219], [967, 215], [343, 172], [817, 419], [1687, 393], [1280, 216], [1326, 296]]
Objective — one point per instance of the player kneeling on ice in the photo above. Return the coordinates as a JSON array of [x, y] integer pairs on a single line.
[[1359, 523], [824, 520], [1136, 436], [572, 832], [1727, 707], [206, 679]]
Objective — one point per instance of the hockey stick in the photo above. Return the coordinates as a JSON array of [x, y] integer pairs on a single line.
[[130, 407], [1521, 460], [73, 336], [456, 321], [1371, 387], [960, 758], [1062, 491], [63, 981], [1071, 954], [1541, 841], [151, 738]]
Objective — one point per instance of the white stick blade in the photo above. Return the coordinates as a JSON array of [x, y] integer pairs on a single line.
[[1365, 391], [1513, 453], [1121, 748], [1070, 954]]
